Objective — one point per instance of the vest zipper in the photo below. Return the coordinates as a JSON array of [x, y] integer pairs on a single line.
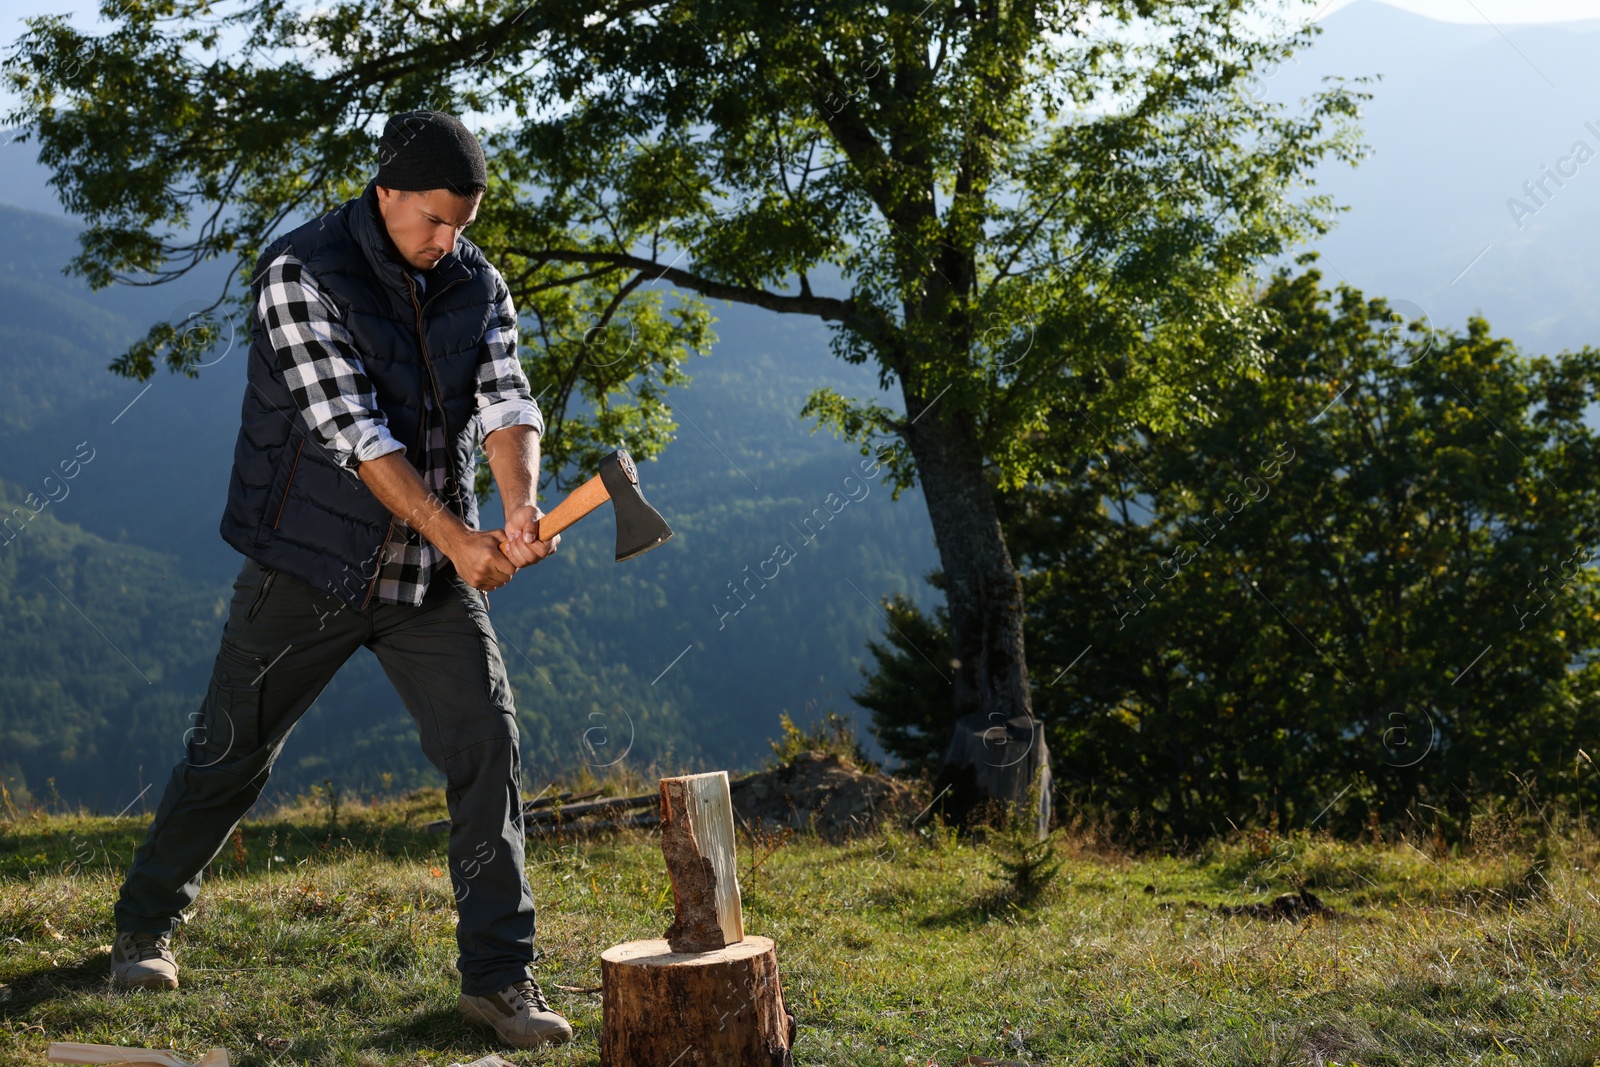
[[279, 517], [427, 361]]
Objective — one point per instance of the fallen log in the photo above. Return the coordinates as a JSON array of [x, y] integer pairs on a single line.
[[536, 816], [563, 798], [648, 818], [574, 811], [1291, 906]]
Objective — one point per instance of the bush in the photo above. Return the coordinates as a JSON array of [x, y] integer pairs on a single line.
[[1027, 862], [835, 735]]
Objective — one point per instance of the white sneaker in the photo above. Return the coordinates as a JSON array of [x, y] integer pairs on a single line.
[[519, 1014], [144, 960]]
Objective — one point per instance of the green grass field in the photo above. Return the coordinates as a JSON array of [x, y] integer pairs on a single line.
[[334, 945]]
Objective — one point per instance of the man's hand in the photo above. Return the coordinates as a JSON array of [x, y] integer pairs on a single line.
[[476, 553], [478, 559], [522, 545]]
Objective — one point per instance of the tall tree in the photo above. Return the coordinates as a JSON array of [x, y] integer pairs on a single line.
[[1016, 210]]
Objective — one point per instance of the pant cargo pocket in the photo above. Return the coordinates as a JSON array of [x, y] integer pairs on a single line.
[[228, 725]]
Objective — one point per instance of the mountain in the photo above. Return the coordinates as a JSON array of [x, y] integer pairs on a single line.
[[1465, 118]]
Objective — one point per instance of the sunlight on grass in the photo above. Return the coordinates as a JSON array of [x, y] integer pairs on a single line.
[[331, 944]]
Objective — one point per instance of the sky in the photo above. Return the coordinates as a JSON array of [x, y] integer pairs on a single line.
[[1496, 12]]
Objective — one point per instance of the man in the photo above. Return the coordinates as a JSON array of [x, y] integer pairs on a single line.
[[382, 344]]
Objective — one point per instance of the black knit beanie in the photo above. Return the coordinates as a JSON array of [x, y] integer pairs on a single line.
[[422, 150]]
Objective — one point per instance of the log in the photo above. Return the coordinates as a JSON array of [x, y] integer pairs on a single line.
[[573, 811], [544, 800], [705, 994], [565, 797], [697, 841], [580, 829], [722, 1008], [536, 813]]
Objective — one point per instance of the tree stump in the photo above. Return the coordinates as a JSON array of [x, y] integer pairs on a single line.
[[706, 993], [992, 760], [722, 1008]]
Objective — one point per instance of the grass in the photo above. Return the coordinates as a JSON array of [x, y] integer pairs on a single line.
[[897, 949]]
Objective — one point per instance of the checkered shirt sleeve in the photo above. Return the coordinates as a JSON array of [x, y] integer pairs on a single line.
[[321, 366], [504, 398]]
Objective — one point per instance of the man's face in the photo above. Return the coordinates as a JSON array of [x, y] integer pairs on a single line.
[[424, 226]]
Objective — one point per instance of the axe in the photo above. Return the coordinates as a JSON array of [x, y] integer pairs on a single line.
[[639, 526]]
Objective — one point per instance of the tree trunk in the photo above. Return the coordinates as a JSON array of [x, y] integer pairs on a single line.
[[722, 1008], [983, 592], [1003, 760]]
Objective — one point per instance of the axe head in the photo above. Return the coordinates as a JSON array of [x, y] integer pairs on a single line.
[[639, 526]]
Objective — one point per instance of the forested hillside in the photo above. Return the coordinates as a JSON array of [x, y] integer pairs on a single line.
[[647, 659]]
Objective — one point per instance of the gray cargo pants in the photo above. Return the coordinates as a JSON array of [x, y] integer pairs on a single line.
[[283, 641]]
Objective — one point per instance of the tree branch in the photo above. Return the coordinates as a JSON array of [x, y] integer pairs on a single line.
[[827, 308]]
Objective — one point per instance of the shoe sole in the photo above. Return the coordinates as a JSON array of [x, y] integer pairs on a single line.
[[476, 1015], [154, 981]]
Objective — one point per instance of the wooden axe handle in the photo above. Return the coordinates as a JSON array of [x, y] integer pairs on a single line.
[[582, 500]]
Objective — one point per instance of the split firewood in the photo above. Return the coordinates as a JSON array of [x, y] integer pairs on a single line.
[[73, 1052], [697, 841]]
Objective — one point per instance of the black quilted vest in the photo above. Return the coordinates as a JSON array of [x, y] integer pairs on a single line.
[[290, 506]]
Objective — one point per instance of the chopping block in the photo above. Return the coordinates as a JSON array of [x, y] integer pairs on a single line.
[[706, 994]]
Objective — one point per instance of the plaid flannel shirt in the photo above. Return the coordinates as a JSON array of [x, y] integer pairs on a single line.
[[324, 373]]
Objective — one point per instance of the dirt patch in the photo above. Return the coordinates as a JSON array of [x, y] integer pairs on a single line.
[[1290, 906], [823, 793]]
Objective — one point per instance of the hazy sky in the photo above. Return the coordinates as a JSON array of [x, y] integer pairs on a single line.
[[1494, 11]]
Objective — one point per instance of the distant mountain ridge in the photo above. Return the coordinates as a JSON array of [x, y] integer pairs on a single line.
[[1465, 115]]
